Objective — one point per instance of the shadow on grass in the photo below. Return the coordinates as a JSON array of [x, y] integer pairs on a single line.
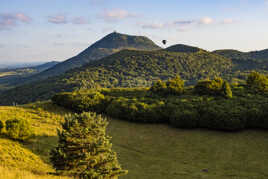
[[41, 146]]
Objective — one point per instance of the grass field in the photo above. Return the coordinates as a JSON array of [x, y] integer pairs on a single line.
[[159, 151], [145, 150], [30, 159]]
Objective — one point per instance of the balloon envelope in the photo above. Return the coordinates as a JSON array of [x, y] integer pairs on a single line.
[[164, 42]]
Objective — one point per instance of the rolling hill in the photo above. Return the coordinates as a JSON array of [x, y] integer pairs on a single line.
[[127, 68], [106, 46], [247, 60], [182, 48]]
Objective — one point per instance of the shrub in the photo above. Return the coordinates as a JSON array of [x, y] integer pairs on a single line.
[[18, 129], [185, 118], [174, 86], [159, 87], [222, 117], [79, 102], [134, 110], [257, 82], [226, 90], [84, 150], [1, 126], [215, 87]]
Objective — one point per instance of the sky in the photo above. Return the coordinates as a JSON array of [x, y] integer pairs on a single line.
[[46, 30]]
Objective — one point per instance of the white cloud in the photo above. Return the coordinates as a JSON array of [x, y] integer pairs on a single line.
[[58, 19], [10, 20], [206, 21], [116, 14], [153, 26], [79, 21], [62, 19], [185, 25], [228, 21]]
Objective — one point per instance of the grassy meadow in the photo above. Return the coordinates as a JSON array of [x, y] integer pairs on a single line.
[[145, 150]]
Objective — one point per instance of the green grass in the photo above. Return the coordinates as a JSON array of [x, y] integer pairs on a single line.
[[145, 150], [160, 151], [30, 159]]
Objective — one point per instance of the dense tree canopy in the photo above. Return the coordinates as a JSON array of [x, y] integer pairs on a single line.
[[84, 150]]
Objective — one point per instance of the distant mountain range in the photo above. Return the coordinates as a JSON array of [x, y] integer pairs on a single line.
[[120, 60], [12, 76]]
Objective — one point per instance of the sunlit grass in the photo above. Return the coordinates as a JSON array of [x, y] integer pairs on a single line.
[[145, 150], [12, 173], [31, 156]]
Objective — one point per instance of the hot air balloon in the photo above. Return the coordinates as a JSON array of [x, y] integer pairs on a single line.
[[164, 42]]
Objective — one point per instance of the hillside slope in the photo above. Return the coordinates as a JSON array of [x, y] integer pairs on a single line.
[[247, 60], [183, 48], [30, 159], [127, 68], [108, 45]]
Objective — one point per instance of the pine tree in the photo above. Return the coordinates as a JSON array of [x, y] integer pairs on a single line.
[[84, 150]]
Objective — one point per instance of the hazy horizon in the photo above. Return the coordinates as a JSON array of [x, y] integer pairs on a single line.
[[42, 31]]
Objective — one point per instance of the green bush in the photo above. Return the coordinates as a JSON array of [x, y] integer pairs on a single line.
[[185, 118], [174, 86], [245, 110], [159, 87], [1, 126], [215, 87], [79, 102], [134, 110], [222, 117], [18, 129], [257, 82]]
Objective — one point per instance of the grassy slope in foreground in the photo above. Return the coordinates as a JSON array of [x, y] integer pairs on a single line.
[[30, 159], [146, 150]]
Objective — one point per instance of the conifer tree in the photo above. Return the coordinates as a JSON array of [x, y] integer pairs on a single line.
[[84, 150]]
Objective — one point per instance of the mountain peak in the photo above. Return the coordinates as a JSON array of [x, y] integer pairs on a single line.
[[106, 46], [117, 40]]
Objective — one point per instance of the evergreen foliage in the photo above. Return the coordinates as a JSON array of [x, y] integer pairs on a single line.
[[18, 129], [183, 48], [84, 150], [258, 82], [210, 105], [216, 87], [1, 126], [173, 86]]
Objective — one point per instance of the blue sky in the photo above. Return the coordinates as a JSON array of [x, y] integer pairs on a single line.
[[45, 30]]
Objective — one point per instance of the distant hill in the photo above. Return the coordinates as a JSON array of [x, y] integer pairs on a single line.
[[127, 68], [183, 48], [261, 55], [45, 66], [108, 45], [12, 76], [247, 60]]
